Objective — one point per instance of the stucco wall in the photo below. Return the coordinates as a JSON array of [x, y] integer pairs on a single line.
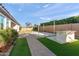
[[26, 30]]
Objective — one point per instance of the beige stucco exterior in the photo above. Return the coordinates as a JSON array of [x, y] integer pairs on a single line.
[[26, 30]]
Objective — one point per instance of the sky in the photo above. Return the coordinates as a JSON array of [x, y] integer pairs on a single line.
[[37, 13]]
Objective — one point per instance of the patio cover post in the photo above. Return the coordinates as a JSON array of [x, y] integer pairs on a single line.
[[38, 30], [54, 26], [43, 27], [71, 26], [5, 23]]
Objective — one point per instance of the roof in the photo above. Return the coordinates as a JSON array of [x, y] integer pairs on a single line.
[[5, 12]]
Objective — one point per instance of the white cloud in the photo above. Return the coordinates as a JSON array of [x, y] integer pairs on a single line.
[[65, 15], [51, 9], [46, 5], [74, 14], [57, 9], [45, 18], [59, 16]]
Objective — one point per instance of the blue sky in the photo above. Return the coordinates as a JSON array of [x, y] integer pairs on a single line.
[[41, 12]]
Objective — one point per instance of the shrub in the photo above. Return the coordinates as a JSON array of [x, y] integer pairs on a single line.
[[3, 37], [14, 34], [2, 41], [7, 35], [3, 33], [35, 28]]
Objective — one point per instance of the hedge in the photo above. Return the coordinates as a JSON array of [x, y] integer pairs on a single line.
[[74, 19]]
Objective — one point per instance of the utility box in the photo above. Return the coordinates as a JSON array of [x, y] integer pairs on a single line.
[[65, 36]]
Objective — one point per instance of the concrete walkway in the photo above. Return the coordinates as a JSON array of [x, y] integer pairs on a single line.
[[36, 47]]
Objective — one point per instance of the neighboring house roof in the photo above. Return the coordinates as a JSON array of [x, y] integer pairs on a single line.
[[5, 12]]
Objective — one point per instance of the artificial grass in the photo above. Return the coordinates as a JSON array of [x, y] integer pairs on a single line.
[[68, 49], [21, 48]]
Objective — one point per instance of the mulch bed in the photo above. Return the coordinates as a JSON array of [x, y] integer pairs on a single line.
[[6, 47]]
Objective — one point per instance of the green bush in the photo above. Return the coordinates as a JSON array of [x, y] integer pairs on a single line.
[[14, 34], [35, 28], [69, 20], [3, 34], [8, 35], [3, 38]]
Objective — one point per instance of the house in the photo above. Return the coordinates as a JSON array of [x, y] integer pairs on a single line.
[[27, 29], [7, 20]]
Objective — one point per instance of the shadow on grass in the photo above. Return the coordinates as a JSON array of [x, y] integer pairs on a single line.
[[68, 49]]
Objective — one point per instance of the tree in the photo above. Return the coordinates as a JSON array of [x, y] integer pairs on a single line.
[[28, 24]]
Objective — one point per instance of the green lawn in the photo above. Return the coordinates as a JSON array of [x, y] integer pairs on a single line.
[[68, 49], [21, 48]]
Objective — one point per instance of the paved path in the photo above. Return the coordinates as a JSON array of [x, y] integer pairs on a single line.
[[37, 48]]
